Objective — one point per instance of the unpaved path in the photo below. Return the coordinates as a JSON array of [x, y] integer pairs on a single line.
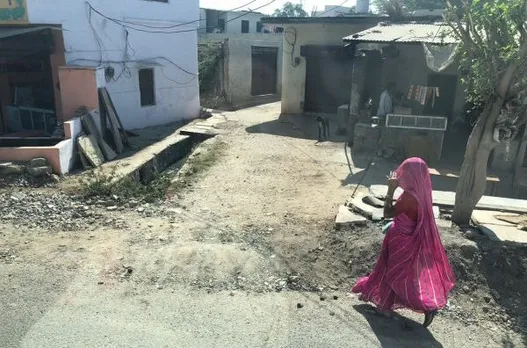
[[226, 263]]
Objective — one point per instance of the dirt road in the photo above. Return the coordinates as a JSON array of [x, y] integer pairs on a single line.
[[245, 257]]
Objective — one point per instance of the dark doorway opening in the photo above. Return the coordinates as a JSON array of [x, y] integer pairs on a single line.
[[264, 70], [27, 89], [444, 102], [328, 78]]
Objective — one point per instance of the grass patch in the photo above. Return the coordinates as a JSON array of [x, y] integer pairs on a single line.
[[102, 184], [201, 160]]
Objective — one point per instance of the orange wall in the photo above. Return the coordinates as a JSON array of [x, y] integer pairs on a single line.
[[78, 87], [56, 60], [23, 154]]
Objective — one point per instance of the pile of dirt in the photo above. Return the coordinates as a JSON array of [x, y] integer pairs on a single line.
[[491, 276]]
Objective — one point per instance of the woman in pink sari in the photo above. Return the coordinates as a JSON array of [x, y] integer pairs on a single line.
[[413, 270]]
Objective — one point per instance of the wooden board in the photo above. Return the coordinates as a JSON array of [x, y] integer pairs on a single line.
[[90, 126], [89, 148], [114, 124], [124, 135], [84, 162]]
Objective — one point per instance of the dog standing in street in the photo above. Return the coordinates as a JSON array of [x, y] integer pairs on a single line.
[[323, 128]]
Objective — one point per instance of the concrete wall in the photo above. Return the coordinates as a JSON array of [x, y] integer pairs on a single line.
[[78, 88], [294, 78], [177, 92], [238, 66]]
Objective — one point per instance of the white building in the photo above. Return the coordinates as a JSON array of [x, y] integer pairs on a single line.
[[55, 55], [230, 22], [150, 44]]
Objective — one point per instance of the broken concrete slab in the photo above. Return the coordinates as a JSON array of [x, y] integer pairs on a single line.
[[373, 201], [366, 210], [346, 218], [448, 199], [504, 233], [488, 217], [514, 219]]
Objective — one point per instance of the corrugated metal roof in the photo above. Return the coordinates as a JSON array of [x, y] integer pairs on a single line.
[[438, 33]]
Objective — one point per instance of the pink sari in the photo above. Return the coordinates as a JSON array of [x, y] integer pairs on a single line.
[[413, 270]]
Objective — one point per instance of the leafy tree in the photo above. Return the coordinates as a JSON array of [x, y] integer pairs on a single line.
[[399, 8], [290, 10], [493, 36]]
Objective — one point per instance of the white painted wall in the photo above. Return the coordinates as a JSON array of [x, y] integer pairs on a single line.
[[238, 65], [177, 92], [234, 24]]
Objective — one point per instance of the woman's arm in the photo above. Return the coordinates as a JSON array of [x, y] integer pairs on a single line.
[[389, 209]]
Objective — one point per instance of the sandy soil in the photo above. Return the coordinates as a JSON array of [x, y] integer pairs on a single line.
[[259, 221]]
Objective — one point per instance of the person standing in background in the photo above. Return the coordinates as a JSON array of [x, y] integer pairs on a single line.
[[386, 101]]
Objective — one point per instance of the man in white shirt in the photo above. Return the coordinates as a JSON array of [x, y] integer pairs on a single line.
[[386, 101]]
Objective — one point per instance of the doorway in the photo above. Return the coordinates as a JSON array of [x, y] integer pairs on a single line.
[[264, 70], [328, 78]]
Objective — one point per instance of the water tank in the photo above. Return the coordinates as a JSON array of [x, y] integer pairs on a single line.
[[362, 6]]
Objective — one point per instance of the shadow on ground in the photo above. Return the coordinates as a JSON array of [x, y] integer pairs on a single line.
[[407, 333], [296, 126]]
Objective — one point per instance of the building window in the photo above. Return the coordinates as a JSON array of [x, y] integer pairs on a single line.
[[245, 27], [146, 87], [258, 27]]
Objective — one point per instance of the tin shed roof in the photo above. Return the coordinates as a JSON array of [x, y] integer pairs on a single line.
[[438, 33]]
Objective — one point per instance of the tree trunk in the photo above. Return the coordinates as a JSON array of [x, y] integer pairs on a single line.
[[473, 177]]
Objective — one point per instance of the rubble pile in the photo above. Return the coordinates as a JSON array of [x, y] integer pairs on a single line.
[[44, 210], [34, 173]]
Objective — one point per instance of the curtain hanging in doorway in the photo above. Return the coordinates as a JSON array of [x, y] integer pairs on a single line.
[[438, 58]]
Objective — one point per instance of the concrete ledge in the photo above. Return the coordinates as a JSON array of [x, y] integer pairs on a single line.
[[143, 165]]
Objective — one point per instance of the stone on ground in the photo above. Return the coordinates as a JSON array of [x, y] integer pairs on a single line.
[[366, 210], [441, 223], [39, 171], [38, 162], [11, 169], [373, 201], [346, 218]]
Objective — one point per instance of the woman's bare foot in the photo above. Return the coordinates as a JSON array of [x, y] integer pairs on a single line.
[[429, 317]]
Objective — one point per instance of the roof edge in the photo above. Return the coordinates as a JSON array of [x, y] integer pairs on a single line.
[[348, 19]]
